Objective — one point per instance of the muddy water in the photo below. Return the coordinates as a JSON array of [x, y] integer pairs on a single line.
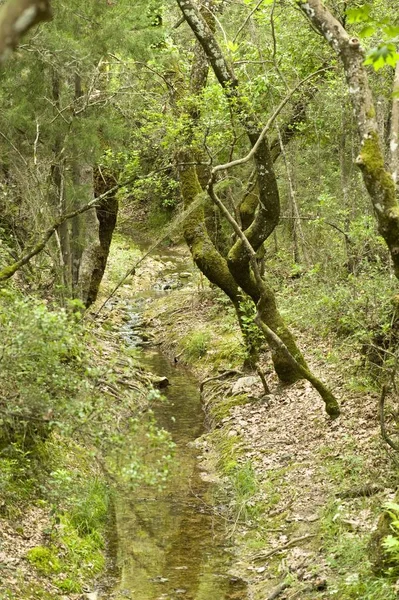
[[171, 544]]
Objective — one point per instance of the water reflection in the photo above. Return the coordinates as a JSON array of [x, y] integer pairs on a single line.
[[171, 545]]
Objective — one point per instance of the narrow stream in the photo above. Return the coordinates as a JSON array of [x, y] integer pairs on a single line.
[[171, 544]]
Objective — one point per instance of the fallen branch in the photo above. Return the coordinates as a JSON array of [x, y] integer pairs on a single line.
[[277, 591], [286, 546], [365, 491], [221, 376]]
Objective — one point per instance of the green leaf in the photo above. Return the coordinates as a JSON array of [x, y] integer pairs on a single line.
[[384, 54], [391, 31], [232, 46], [360, 14], [367, 31]]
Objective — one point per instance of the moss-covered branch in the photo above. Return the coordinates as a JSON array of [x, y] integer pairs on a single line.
[[288, 359]]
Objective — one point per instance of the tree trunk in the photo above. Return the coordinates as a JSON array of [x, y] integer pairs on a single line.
[[96, 228], [377, 178], [267, 215]]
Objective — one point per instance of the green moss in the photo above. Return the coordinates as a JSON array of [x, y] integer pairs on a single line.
[[228, 450], [45, 559], [378, 180], [221, 409]]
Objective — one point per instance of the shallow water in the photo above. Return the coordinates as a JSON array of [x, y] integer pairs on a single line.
[[171, 544]]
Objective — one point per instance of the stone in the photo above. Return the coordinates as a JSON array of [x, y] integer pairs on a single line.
[[160, 382], [185, 275], [250, 385]]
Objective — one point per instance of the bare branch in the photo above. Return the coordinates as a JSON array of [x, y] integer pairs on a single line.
[[9, 271], [253, 11], [255, 147], [384, 433]]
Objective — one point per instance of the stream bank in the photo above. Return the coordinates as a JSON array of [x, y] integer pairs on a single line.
[[170, 535], [292, 479]]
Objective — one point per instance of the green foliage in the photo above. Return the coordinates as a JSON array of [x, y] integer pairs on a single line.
[[46, 380], [347, 553], [356, 310], [78, 499], [196, 343], [251, 330], [385, 53], [391, 542]]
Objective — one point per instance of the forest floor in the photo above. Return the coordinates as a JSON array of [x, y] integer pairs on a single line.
[[305, 492]]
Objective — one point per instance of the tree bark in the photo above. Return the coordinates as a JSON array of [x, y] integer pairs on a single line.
[[394, 132], [96, 230], [378, 180], [268, 212]]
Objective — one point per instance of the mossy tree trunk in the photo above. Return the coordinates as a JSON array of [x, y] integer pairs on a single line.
[[205, 255], [262, 213], [96, 228], [379, 180]]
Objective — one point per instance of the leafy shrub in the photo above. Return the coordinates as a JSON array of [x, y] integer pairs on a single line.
[[391, 542], [44, 373]]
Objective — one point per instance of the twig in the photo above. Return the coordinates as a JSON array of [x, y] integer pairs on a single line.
[[263, 380], [286, 546], [247, 19], [35, 143], [277, 591]]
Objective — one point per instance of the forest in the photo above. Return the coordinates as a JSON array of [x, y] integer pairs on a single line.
[[199, 304]]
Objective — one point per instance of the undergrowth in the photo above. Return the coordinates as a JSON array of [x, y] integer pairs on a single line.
[[57, 428]]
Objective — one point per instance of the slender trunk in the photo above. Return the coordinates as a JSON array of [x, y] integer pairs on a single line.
[[96, 228], [57, 173], [298, 238], [394, 131]]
